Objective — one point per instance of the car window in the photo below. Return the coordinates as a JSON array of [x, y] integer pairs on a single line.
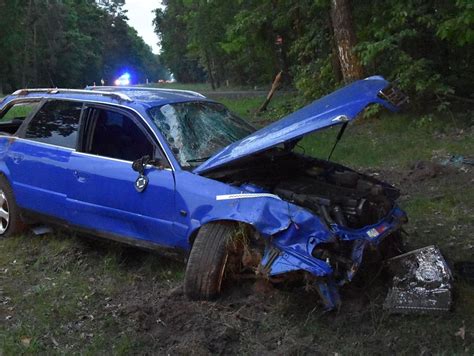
[[56, 123], [18, 111], [116, 135]]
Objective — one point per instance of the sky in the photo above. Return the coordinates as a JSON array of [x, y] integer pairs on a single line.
[[140, 17]]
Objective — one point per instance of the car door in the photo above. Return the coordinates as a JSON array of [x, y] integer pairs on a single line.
[[102, 192], [38, 157]]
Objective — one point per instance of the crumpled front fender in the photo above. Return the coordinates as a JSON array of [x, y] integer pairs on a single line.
[[293, 232], [267, 213]]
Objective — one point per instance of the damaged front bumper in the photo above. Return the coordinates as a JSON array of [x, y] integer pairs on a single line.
[[293, 250]]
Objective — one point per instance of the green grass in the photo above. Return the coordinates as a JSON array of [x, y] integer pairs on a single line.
[[391, 140], [202, 87], [60, 293], [57, 290]]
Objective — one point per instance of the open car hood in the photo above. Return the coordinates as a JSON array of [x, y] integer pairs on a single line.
[[334, 109]]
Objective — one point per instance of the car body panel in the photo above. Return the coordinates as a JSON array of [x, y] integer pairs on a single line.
[[119, 207], [334, 109], [33, 164]]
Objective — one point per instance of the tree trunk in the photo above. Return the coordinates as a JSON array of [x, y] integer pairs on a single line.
[[345, 39], [209, 71]]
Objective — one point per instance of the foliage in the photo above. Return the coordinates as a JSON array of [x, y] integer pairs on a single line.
[[171, 29], [426, 45], [411, 40], [69, 43]]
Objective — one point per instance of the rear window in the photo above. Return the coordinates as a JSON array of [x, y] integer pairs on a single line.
[[56, 123], [18, 111]]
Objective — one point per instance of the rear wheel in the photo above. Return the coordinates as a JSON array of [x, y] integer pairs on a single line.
[[10, 219]]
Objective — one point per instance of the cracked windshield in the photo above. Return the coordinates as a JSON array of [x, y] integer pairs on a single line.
[[197, 130]]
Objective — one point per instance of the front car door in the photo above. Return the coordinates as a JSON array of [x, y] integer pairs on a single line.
[[102, 191]]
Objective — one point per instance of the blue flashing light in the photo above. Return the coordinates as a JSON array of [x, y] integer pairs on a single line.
[[124, 79]]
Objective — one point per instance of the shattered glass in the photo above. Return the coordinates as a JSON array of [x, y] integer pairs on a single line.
[[197, 130]]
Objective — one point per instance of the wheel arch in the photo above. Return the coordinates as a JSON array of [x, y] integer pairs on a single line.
[[5, 172]]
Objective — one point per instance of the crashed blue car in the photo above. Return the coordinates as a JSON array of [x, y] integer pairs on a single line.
[[176, 172]]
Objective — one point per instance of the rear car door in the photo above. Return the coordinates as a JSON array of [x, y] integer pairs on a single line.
[[38, 158], [102, 192]]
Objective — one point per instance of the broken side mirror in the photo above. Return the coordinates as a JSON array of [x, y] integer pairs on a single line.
[[139, 166]]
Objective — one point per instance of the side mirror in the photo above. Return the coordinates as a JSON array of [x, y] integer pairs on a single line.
[[140, 164]]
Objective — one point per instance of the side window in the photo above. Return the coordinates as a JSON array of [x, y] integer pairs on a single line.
[[18, 111], [56, 123], [117, 136]]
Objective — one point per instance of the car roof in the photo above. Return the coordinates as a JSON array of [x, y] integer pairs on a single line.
[[125, 96]]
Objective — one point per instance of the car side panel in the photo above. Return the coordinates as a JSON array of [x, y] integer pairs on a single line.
[[38, 176], [102, 196]]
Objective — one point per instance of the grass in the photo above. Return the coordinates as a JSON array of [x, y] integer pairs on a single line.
[[388, 140], [62, 293], [391, 140], [203, 87], [57, 290]]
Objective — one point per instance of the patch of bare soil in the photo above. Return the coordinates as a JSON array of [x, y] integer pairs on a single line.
[[259, 318], [445, 215], [242, 321]]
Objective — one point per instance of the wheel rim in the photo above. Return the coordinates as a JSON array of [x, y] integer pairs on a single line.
[[4, 213]]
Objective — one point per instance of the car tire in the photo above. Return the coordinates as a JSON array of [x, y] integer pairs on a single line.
[[208, 259], [10, 219]]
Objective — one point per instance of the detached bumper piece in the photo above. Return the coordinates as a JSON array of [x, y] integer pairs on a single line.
[[422, 282]]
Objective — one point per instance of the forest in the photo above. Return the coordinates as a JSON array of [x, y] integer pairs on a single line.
[[317, 45], [427, 45], [70, 43]]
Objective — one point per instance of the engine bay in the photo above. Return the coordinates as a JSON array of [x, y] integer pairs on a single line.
[[334, 192]]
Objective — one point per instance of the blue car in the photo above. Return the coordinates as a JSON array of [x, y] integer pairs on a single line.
[[176, 172]]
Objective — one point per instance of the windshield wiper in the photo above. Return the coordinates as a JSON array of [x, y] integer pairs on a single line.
[[201, 159]]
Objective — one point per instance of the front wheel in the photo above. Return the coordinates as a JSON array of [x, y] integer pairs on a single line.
[[10, 219], [208, 260]]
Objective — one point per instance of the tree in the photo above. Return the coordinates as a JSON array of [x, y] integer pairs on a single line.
[[171, 28], [345, 40], [70, 43]]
